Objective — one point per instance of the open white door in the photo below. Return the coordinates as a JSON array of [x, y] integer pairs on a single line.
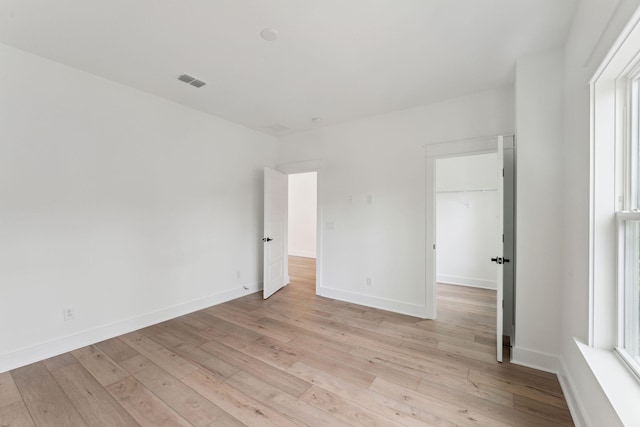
[[275, 237], [499, 260]]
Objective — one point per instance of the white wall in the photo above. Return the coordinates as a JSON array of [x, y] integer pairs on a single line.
[[128, 207], [539, 203], [595, 27], [466, 220], [302, 214], [373, 193]]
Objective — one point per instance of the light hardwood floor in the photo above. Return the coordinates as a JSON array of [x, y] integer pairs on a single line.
[[295, 359]]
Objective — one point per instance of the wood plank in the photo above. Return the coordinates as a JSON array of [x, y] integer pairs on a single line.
[[226, 420], [235, 403], [369, 400], [241, 319], [455, 412], [60, 361], [324, 348], [282, 402], [95, 404], [479, 405], [206, 361], [105, 370], [117, 349], [550, 413], [182, 399], [343, 409], [431, 379], [144, 406], [247, 363], [282, 356], [15, 415], [530, 390], [178, 366], [8, 391], [43, 397]]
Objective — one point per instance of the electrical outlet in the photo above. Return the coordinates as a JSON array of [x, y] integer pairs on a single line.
[[69, 313], [369, 281]]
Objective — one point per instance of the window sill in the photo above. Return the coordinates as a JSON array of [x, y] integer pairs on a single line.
[[617, 381]]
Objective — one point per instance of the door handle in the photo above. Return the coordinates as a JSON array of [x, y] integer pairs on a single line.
[[267, 239], [499, 260]]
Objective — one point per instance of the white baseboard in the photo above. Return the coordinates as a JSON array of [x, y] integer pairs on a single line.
[[576, 408], [467, 281], [303, 254], [535, 359], [375, 302], [61, 345]]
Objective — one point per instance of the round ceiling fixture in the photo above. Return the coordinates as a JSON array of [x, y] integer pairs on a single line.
[[269, 34]]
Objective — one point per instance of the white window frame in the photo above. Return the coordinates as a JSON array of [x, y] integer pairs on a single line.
[[628, 144], [614, 164]]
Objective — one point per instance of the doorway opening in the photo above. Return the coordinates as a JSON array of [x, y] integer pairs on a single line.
[[302, 226], [470, 229], [276, 272]]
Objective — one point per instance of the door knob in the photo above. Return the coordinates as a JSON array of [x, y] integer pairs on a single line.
[[497, 260], [267, 239]]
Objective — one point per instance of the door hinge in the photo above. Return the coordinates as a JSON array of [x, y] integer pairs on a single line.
[[434, 246], [502, 303], [503, 238], [503, 172]]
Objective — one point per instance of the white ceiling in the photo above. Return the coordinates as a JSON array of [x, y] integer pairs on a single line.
[[335, 59]]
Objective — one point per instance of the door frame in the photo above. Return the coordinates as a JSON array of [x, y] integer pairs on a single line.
[[458, 148], [293, 168]]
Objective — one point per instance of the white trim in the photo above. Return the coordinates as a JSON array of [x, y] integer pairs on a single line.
[[628, 216], [375, 302], [618, 384], [603, 236], [431, 299], [614, 58], [300, 167], [466, 281], [535, 359], [25, 356], [304, 254], [629, 362], [488, 144], [572, 397]]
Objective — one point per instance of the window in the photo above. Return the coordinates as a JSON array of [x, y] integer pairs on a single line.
[[615, 201], [628, 219], [629, 339], [614, 227]]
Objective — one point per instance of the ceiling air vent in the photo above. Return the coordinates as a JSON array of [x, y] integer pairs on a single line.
[[191, 80], [277, 127]]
